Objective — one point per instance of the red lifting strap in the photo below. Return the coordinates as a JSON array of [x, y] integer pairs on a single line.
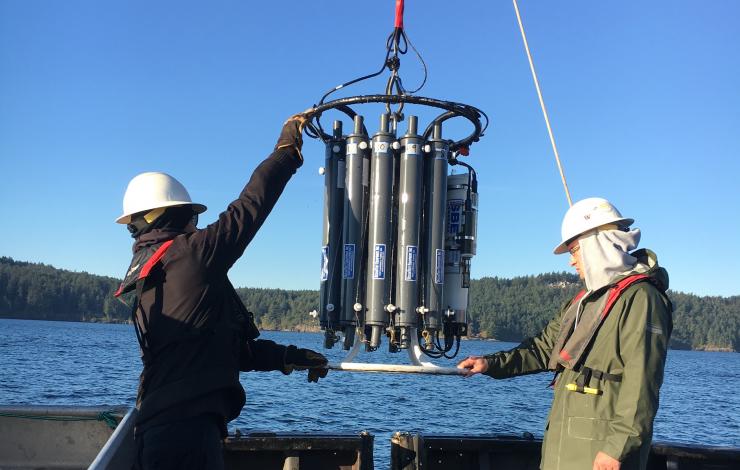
[[154, 259], [399, 14]]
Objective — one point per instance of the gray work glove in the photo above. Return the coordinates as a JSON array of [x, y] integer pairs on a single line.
[[302, 359], [292, 133]]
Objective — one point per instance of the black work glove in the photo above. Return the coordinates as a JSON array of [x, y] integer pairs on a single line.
[[292, 134], [302, 359]]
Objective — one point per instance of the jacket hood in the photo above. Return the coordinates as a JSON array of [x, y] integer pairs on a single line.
[[657, 274]]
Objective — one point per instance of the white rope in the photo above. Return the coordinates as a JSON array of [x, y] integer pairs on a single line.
[[542, 103]]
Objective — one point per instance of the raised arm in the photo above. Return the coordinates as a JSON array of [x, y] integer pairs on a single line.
[[224, 241]]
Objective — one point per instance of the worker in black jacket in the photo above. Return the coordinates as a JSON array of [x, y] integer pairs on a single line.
[[194, 332]]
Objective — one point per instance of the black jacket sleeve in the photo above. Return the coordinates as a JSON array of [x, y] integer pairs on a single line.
[[224, 241], [262, 355]]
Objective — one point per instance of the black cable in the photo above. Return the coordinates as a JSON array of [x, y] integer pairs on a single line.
[[472, 181], [352, 82], [448, 344], [317, 132], [449, 115], [396, 44], [436, 341], [457, 348], [392, 44], [429, 352], [426, 73], [394, 41]]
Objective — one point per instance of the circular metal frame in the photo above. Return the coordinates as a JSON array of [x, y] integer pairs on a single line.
[[471, 113]]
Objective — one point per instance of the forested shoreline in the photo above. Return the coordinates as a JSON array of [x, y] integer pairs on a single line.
[[501, 309]]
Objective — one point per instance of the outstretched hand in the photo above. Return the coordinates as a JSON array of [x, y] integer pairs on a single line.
[[302, 359], [474, 365]]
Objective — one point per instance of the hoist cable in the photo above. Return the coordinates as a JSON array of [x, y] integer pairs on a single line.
[[542, 103], [397, 44]]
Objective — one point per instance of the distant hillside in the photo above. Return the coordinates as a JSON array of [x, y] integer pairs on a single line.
[[512, 309], [40, 292], [503, 309]]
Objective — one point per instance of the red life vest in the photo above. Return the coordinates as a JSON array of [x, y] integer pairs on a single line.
[[571, 343], [141, 266]]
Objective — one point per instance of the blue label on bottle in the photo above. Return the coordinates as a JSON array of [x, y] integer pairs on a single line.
[[454, 216], [379, 261], [349, 261], [439, 267], [324, 263], [410, 270]]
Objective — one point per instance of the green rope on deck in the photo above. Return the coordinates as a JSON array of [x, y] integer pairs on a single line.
[[106, 416], [109, 419]]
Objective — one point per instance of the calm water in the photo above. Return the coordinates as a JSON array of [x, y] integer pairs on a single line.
[[59, 363]]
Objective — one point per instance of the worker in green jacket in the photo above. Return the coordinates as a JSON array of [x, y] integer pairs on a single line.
[[607, 346]]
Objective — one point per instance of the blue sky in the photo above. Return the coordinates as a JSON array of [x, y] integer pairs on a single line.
[[643, 99]]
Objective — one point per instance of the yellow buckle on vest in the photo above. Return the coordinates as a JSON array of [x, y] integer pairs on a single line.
[[589, 390]]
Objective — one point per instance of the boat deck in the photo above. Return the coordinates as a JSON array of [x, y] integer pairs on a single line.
[[53, 437]]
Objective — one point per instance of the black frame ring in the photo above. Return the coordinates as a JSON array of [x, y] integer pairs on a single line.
[[471, 113]]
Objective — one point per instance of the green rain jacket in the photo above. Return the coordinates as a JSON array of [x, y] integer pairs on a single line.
[[630, 345]]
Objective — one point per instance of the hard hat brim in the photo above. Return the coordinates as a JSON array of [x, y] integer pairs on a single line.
[[563, 246], [197, 208]]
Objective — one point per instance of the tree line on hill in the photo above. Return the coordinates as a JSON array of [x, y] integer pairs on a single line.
[[502, 309]]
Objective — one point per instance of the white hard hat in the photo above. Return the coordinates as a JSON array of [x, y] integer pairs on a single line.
[[586, 215], [152, 190]]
